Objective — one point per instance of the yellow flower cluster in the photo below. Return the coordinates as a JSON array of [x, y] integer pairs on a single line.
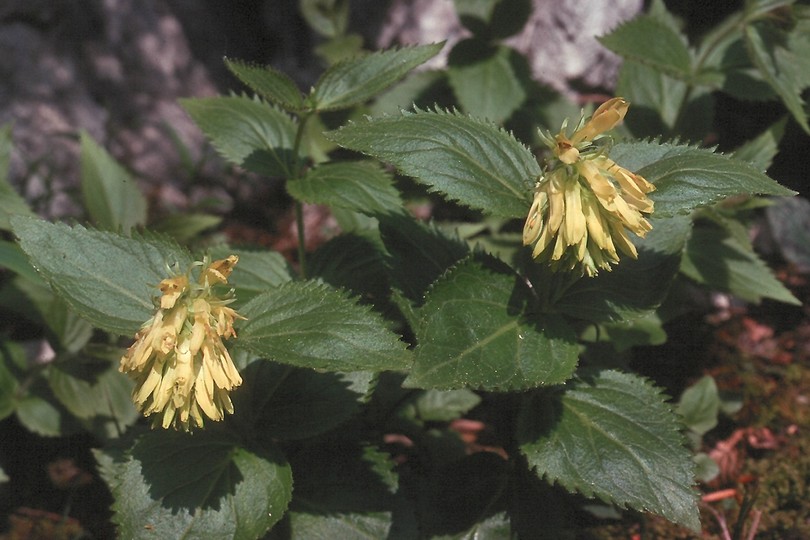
[[585, 203], [181, 367]]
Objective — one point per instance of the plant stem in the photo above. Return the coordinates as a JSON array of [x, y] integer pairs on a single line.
[[299, 208]]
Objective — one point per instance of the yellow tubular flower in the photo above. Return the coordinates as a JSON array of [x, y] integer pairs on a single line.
[[181, 367], [585, 203]]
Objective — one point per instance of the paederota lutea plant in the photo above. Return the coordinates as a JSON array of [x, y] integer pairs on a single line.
[[315, 399]]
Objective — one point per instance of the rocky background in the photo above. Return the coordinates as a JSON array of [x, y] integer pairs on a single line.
[[116, 69]]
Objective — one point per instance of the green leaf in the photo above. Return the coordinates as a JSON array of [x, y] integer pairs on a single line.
[[269, 83], [278, 402], [484, 82], [761, 150], [110, 194], [782, 59], [359, 500], [719, 261], [10, 201], [256, 271], [13, 258], [354, 263], [311, 325], [635, 287], [107, 278], [699, 405], [439, 405], [39, 413], [206, 485], [493, 19], [649, 41], [361, 186], [468, 160], [686, 178], [327, 17], [612, 436], [355, 81], [419, 253], [93, 390], [185, 227], [472, 333], [247, 132]]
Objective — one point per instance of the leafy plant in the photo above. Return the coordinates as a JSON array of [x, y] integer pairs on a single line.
[[356, 360]]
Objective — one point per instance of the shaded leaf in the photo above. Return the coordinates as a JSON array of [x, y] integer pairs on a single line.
[[11, 203], [107, 278], [361, 186], [635, 287], [468, 160], [761, 150], [357, 80], [719, 261], [354, 263], [206, 485], [327, 17], [647, 40], [111, 196], [359, 500], [419, 253], [472, 333], [486, 87], [699, 405], [311, 325], [278, 402], [612, 436], [247, 132], [782, 60]]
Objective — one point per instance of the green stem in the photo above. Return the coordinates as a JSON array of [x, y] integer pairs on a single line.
[[299, 208]]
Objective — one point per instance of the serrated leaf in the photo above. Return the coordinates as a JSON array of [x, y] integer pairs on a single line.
[[11, 203], [206, 485], [782, 60], [486, 87], [612, 436], [472, 333], [687, 178], [356, 81], [419, 253], [311, 325], [361, 186], [719, 261], [647, 40], [699, 405], [247, 132], [635, 287], [107, 278], [469, 160], [110, 194], [269, 83], [278, 402]]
